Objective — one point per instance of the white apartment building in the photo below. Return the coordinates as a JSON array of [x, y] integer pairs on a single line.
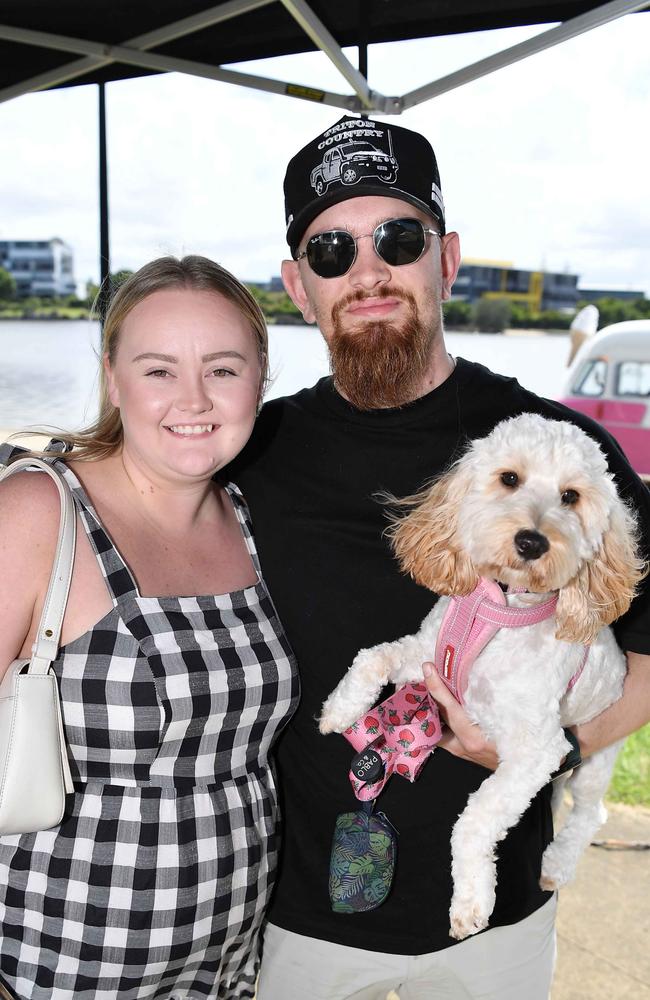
[[39, 267]]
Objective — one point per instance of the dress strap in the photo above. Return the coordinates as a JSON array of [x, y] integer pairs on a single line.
[[244, 518], [119, 581], [9, 453], [117, 575]]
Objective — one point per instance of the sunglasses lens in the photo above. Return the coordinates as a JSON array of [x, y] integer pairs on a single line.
[[400, 241], [397, 241], [331, 254]]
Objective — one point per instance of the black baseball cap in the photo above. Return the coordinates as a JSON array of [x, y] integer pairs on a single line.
[[357, 157]]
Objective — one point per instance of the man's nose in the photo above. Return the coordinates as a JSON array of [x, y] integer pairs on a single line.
[[368, 270]]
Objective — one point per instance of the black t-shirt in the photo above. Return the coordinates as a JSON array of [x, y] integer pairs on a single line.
[[311, 475]]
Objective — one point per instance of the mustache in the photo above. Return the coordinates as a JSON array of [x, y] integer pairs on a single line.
[[383, 292]]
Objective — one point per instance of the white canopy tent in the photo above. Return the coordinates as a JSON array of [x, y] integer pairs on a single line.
[[34, 57]]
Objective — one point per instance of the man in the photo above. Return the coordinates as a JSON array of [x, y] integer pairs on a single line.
[[371, 263]]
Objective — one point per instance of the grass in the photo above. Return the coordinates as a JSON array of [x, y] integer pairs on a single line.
[[631, 779]]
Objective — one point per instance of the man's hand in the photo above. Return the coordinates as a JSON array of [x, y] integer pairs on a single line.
[[460, 736], [625, 716]]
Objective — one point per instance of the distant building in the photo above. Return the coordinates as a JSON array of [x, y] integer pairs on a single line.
[[493, 279], [39, 267], [593, 294]]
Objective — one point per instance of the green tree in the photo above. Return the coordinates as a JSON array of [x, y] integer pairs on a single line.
[[276, 306], [7, 286], [457, 314], [522, 317], [492, 315], [115, 279], [619, 310], [642, 308], [612, 311]]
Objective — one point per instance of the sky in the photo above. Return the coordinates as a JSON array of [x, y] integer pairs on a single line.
[[544, 164]]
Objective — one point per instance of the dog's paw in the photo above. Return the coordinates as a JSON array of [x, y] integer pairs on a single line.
[[470, 912], [335, 718], [465, 922], [325, 725], [556, 870], [328, 722]]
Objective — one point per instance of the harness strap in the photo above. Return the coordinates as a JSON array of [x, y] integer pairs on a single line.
[[576, 676], [469, 624]]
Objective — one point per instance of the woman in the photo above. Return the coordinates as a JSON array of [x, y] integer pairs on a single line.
[[155, 883]]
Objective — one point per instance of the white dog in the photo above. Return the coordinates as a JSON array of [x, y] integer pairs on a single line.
[[532, 506]]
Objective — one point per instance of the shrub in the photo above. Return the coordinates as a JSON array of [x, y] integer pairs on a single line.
[[492, 315], [618, 310], [7, 286], [457, 314]]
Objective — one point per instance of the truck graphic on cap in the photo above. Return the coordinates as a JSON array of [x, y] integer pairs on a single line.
[[351, 161]]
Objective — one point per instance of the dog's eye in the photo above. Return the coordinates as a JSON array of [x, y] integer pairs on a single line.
[[510, 479], [569, 497]]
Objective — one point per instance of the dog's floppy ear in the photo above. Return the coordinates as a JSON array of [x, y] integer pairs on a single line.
[[426, 541], [604, 588]]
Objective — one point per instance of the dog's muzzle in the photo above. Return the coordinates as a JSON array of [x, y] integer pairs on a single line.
[[531, 544]]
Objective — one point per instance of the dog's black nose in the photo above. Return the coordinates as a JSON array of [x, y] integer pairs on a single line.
[[530, 544]]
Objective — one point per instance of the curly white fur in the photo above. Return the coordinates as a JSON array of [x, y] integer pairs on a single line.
[[548, 477]]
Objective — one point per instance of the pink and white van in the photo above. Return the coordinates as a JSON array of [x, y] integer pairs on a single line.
[[609, 380]]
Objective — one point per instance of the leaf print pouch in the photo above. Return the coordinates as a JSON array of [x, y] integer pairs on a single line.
[[362, 863]]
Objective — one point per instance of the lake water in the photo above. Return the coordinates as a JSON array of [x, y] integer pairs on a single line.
[[48, 370]]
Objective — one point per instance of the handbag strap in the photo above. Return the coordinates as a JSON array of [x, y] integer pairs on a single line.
[[46, 646]]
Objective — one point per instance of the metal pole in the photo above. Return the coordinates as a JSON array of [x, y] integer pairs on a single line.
[[363, 46], [104, 251]]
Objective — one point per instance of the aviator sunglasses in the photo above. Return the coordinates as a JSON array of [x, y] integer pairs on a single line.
[[396, 241]]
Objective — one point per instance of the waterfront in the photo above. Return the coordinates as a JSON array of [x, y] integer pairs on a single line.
[[48, 372]]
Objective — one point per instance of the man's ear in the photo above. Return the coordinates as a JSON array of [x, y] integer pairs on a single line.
[[113, 393], [449, 262], [296, 290]]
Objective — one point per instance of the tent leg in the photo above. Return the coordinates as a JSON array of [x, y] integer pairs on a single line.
[[363, 46], [104, 252]]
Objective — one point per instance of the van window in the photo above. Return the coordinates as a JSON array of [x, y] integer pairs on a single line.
[[633, 378], [590, 380]]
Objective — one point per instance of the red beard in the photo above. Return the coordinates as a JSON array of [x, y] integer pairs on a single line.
[[377, 364]]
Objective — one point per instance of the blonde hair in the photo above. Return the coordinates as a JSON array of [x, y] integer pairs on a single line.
[[104, 437]]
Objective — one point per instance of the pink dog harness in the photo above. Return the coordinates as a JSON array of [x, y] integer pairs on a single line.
[[405, 728], [469, 624]]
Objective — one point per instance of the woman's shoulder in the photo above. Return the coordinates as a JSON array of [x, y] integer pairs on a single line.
[[30, 509]]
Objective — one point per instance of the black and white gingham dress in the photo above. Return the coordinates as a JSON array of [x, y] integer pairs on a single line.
[[155, 883]]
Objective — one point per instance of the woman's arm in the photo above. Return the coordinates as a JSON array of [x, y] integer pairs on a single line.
[[29, 519]]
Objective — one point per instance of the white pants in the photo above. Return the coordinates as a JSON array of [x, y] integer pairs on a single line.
[[505, 963]]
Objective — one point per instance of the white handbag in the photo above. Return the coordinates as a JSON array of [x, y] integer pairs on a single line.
[[34, 768]]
